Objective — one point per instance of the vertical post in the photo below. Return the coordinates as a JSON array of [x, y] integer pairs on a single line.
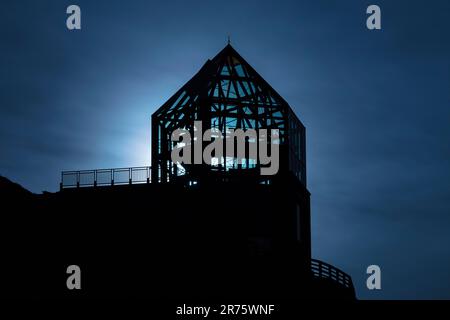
[[112, 177], [78, 179], [130, 174], [155, 151]]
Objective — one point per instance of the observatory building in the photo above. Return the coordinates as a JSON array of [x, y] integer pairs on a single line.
[[220, 228]]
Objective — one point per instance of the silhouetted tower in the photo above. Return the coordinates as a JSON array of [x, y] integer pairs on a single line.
[[227, 93], [224, 221]]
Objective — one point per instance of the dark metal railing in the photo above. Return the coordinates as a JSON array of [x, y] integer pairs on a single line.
[[322, 269], [105, 177]]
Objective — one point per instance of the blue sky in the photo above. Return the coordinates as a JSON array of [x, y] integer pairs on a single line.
[[376, 106]]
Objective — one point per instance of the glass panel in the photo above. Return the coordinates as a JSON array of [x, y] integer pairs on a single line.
[[232, 92], [178, 100], [231, 122], [278, 114], [272, 99], [216, 91], [239, 70], [185, 101], [247, 110], [240, 90], [225, 71], [251, 123], [247, 87], [231, 108]]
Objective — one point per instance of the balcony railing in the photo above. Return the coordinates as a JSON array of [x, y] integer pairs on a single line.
[[105, 177], [322, 269]]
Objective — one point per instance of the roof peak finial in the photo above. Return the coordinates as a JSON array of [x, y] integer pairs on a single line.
[[229, 40]]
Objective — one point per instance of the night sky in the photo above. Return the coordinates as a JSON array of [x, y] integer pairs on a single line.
[[376, 106]]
